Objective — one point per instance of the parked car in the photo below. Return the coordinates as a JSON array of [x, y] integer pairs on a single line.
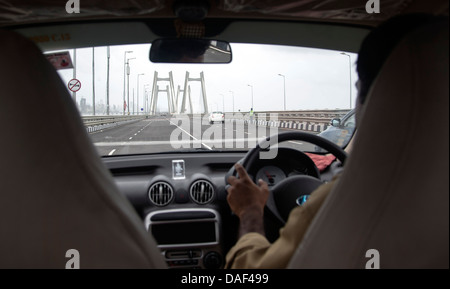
[[216, 116], [340, 130]]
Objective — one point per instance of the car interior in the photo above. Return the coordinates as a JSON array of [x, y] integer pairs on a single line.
[[169, 209]]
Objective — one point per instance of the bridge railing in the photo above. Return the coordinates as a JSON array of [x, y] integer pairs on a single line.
[[306, 120], [95, 123]]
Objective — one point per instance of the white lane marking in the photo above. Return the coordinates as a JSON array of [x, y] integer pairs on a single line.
[[208, 147], [247, 132], [111, 152], [295, 142], [141, 130]]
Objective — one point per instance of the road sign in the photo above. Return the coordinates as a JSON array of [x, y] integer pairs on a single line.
[[74, 85], [60, 60]]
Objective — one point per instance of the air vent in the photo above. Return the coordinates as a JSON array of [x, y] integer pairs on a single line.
[[160, 193], [202, 192]]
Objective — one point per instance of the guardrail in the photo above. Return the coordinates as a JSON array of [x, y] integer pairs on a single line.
[[305, 120], [95, 123]]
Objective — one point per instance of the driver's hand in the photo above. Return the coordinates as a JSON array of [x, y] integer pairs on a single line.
[[244, 196]]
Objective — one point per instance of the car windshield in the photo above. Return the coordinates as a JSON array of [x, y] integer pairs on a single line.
[[132, 106]]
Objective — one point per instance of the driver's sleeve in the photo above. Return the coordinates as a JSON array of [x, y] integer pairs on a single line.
[[254, 251]]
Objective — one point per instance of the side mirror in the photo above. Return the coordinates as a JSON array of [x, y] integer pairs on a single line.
[[187, 50], [336, 122]]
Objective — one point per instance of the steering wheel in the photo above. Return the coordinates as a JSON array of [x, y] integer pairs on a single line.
[[284, 195]]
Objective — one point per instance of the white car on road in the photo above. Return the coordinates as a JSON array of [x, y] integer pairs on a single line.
[[216, 116]]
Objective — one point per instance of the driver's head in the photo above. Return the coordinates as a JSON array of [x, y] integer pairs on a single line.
[[377, 46]]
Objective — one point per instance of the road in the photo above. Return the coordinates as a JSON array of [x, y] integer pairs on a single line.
[[163, 134]]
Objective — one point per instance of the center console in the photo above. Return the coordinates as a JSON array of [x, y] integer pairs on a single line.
[[187, 238]]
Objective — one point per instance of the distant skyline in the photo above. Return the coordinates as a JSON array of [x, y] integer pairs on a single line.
[[315, 78]]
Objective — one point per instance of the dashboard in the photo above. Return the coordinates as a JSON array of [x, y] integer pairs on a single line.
[[181, 198]]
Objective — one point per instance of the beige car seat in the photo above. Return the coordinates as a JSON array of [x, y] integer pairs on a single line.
[[55, 193], [394, 193]]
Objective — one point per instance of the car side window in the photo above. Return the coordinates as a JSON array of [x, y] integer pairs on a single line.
[[349, 122]]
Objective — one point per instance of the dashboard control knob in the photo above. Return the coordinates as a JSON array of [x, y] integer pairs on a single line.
[[212, 260]]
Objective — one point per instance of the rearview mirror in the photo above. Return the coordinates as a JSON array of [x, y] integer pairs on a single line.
[[185, 50]]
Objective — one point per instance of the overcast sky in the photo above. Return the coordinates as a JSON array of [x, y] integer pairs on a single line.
[[315, 79]]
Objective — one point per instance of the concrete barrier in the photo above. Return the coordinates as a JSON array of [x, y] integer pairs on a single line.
[[305, 120], [96, 123]]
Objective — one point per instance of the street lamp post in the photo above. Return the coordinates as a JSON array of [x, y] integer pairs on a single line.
[[223, 103], [232, 93], [75, 74], [252, 93], [108, 55], [284, 89], [350, 75], [146, 98], [93, 80], [138, 91], [128, 84], [124, 72]]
